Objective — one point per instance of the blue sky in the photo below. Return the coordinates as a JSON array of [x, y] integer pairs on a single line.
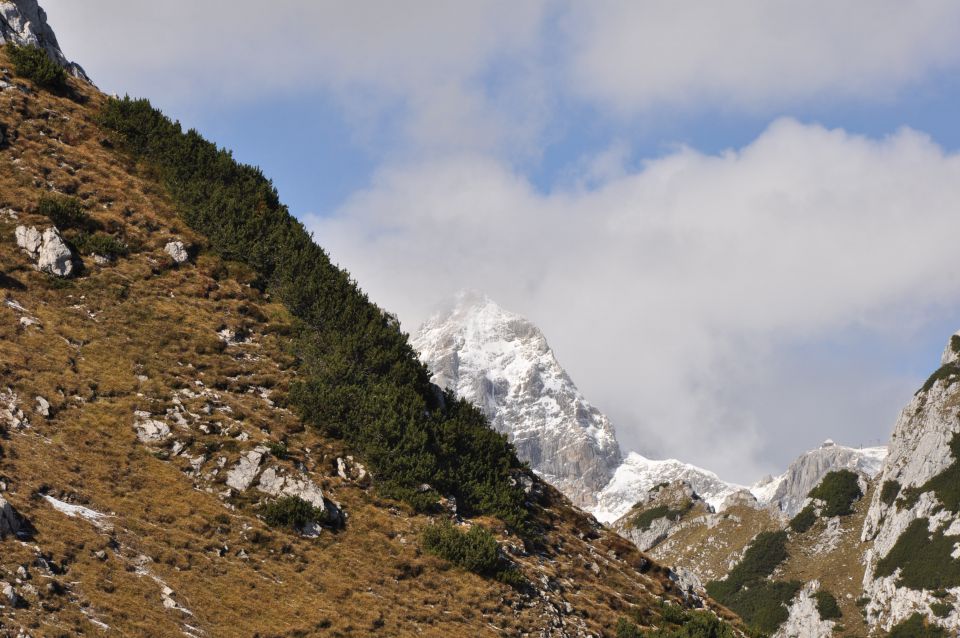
[[733, 221]]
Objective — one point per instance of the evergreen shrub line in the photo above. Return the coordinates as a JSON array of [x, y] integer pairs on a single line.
[[359, 378]]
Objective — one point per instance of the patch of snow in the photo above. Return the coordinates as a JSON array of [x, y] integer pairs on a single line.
[[99, 519], [638, 474]]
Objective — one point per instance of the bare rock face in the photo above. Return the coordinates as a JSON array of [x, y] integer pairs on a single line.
[[787, 493], [913, 518], [804, 620], [24, 23], [501, 363]]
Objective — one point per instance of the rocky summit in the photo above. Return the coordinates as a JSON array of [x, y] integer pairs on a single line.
[[502, 363]]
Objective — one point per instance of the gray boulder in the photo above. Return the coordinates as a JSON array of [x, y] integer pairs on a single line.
[[177, 251], [10, 521], [29, 239]]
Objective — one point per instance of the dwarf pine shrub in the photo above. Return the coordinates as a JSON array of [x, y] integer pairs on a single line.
[[33, 63], [359, 378]]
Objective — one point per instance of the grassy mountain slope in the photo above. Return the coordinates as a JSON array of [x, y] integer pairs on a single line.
[[137, 533]]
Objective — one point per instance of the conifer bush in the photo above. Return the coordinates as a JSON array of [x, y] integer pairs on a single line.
[[33, 63], [290, 512], [804, 520], [359, 378], [839, 490], [827, 605]]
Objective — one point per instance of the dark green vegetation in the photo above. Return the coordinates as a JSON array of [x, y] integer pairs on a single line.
[[290, 512], [66, 213], [839, 490], [947, 372], [34, 64], [360, 379], [827, 605], [915, 627], [946, 484], [889, 492], [674, 622], [924, 559], [941, 609], [804, 520], [644, 520], [475, 550], [762, 603], [79, 228]]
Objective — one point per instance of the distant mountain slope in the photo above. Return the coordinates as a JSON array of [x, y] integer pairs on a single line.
[[502, 363], [638, 474], [787, 492]]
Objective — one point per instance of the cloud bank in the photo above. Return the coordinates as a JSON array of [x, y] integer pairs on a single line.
[[673, 291]]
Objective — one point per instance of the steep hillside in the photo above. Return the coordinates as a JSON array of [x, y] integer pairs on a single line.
[[913, 568], [210, 432], [502, 363]]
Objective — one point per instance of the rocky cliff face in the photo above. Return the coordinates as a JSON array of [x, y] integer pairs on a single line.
[[502, 363], [914, 517], [23, 22], [786, 493]]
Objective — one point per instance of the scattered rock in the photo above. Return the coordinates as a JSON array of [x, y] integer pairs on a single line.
[[177, 251], [10, 595], [43, 407], [245, 472], [11, 415], [275, 484], [150, 430], [55, 258]]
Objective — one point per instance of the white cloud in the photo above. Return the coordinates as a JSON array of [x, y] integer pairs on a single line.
[[673, 292], [484, 76], [754, 54], [426, 57]]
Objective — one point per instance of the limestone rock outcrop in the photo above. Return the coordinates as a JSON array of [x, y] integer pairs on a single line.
[[48, 250], [24, 23], [913, 518], [788, 492]]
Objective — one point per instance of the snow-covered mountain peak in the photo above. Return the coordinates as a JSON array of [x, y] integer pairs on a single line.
[[502, 363]]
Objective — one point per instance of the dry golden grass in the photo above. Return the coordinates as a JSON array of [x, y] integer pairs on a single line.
[[129, 336]]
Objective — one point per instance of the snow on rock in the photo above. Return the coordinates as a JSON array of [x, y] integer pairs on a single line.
[[787, 492], [804, 620], [501, 363], [23, 22], [78, 511], [638, 474]]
